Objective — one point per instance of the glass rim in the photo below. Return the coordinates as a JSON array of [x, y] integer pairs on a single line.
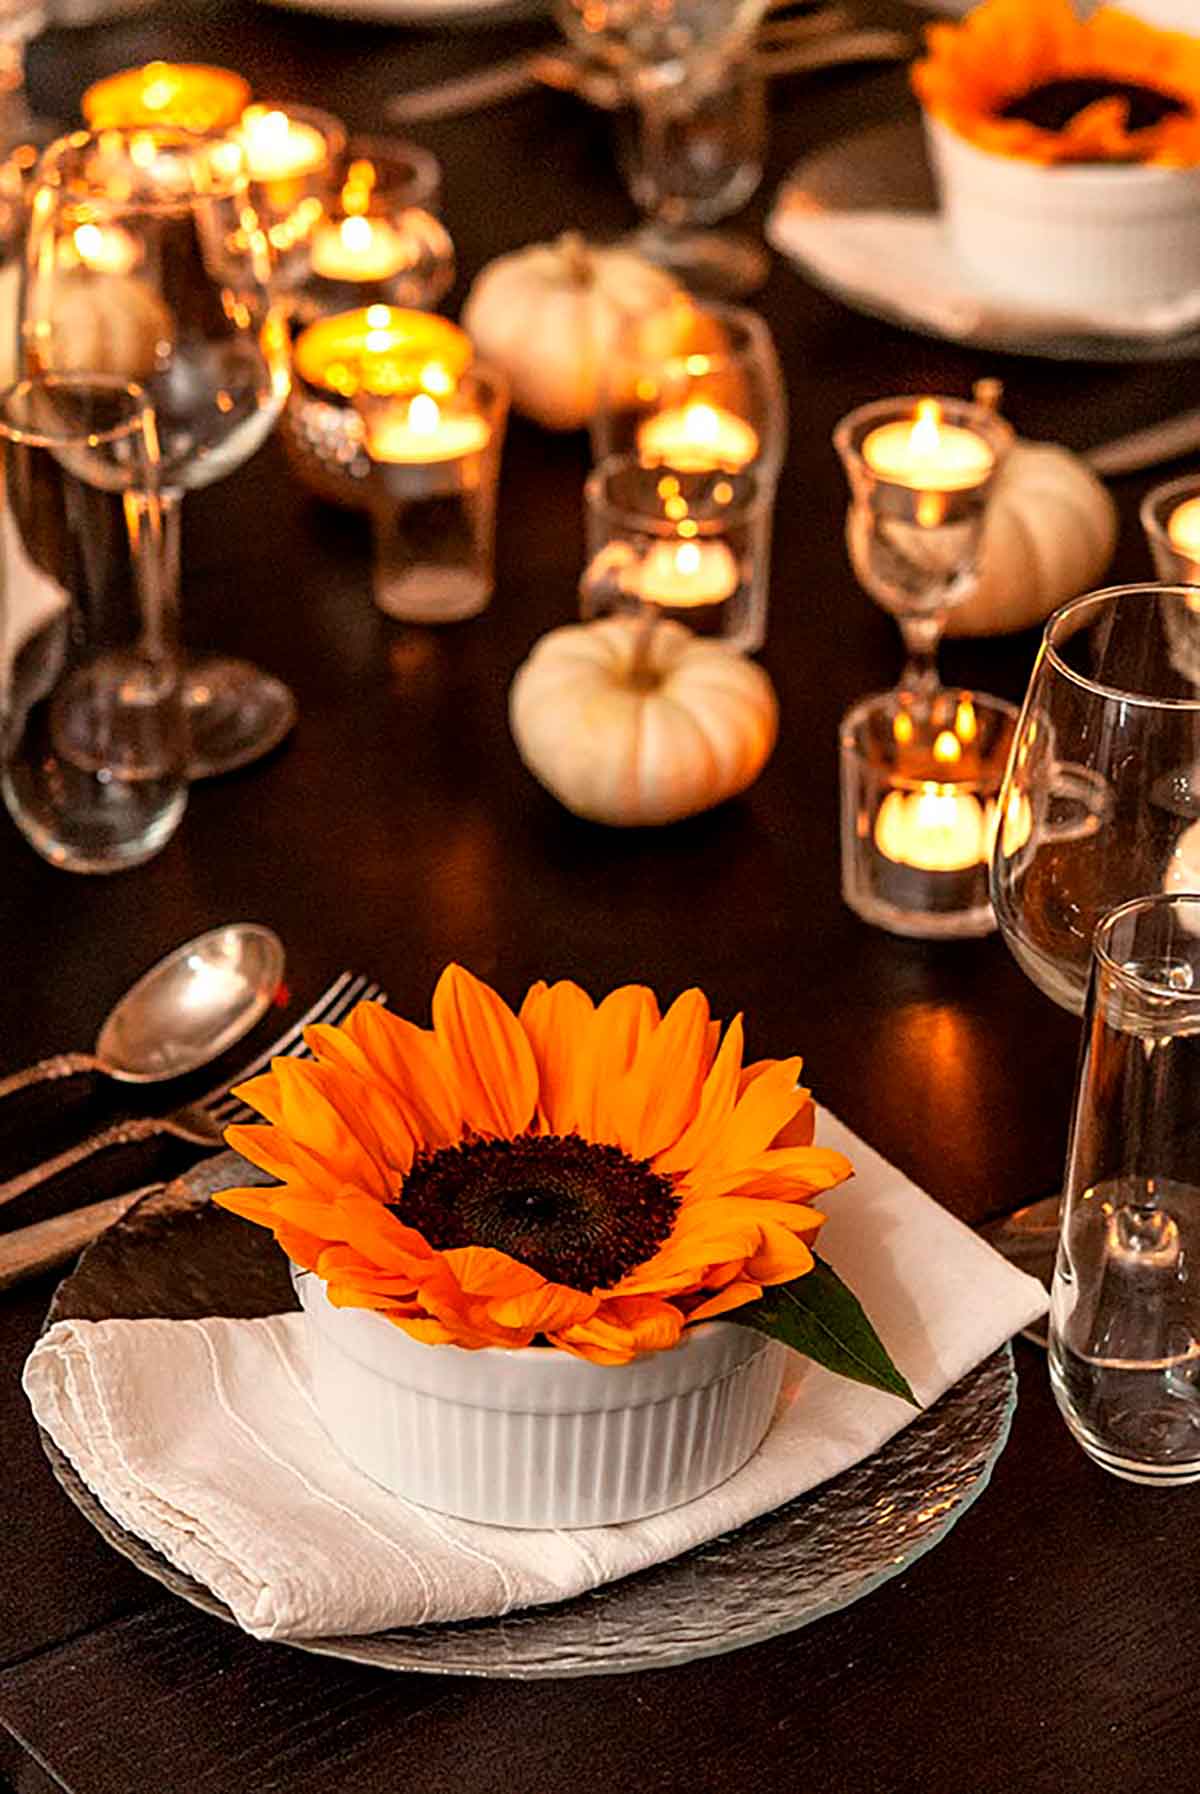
[[28, 437], [1094, 600], [757, 504], [848, 430], [1152, 523], [58, 156], [1103, 931]]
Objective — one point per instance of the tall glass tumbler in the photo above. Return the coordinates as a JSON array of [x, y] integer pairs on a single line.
[[1125, 1302], [92, 735]]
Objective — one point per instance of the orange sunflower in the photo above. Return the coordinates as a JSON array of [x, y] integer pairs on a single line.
[[1029, 78], [597, 1175]]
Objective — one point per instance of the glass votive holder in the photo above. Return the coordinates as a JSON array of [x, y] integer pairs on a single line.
[[378, 238], [1171, 521], [687, 545], [380, 347], [694, 387], [920, 779], [291, 153], [434, 456]]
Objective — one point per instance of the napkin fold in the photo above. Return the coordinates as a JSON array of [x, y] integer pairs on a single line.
[[901, 263], [201, 1437]]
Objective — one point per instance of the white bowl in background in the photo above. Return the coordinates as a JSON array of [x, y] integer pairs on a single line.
[[1068, 235]]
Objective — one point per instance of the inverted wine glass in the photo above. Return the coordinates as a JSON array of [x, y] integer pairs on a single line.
[[698, 141], [145, 260], [1100, 803]]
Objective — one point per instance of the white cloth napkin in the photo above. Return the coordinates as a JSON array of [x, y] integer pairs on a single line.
[[902, 263], [201, 1437]]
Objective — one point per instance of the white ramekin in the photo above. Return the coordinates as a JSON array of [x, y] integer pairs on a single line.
[[1079, 236], [538, 1438]]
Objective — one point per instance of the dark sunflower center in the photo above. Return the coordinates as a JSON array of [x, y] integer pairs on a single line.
[[1053, 104], [578, 1213]]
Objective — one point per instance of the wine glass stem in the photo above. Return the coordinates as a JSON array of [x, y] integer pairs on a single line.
[[152, 519], [921, 636]]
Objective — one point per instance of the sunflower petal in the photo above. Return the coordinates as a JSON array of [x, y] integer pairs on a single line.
[[558, 1022], [493, 1060], [624, 1020], [659, 1094]]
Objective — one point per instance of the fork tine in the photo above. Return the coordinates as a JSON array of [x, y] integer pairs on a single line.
[[225, 1108]]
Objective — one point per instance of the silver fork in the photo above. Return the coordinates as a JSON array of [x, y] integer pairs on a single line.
[[203, 1123]]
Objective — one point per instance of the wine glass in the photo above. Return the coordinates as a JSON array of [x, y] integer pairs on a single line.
[[686, 69], [921, 473], [145, 260], [1100, 804]]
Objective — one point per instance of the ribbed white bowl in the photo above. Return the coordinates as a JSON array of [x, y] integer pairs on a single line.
[[538, 1438], [1086, 236]]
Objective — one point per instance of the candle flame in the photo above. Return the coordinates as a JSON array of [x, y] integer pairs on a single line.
[[701, 425], [966, 724], [356, 193], [436, 379], [946, 748], [89, 241], [423, 414], [687, 558], [902, 728], [159, 92], [356, 233], [926, 432]]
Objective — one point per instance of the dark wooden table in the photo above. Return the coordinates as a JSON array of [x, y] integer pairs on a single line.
[[1045, 1646]]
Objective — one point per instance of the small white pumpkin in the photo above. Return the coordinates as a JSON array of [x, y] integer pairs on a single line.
[[1050, 534], [551, 315], [634, 723]]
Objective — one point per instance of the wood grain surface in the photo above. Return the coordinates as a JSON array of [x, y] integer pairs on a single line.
[[1044, 1647]]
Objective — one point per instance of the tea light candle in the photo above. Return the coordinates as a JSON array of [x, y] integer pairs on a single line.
[[934, 829], [418, 432], [105, 248], [358, 249], [382, 346], [192, 96], [927, 454], [685, 575], [1183, 528], [697, 436], [280, 148]]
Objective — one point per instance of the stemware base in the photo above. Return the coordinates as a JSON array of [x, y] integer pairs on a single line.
[[235, 714], [715, 264]]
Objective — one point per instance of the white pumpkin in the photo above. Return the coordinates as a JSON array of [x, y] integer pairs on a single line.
[[110, 326], [1050, 534], [551, 315], [633, 724]]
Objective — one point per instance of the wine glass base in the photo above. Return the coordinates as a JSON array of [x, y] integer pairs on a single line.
[[235, 714], [1028, 1239], [716, 264]]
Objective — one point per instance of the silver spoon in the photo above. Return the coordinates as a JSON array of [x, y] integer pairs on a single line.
[[181, 1013]]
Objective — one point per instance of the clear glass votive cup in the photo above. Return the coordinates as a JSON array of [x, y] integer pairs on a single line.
[[93, 746], [694, 385], [691, 546], [1125, 1300], [378, 239], [431, 492], [1171, 521], [920, 780]]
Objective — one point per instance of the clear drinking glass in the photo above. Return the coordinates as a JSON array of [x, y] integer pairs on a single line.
[[695, 386], [1100, 804], [685, 68], [92, 762], [145, 260], [1125, 1301]]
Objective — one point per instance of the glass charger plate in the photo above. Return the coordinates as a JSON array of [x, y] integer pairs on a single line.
[[175, 1255], [884, 168]]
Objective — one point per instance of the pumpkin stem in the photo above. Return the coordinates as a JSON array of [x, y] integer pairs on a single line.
[[641, 674], [576, 258]]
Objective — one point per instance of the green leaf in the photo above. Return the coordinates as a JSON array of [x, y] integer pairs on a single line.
[[820, 1316]]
